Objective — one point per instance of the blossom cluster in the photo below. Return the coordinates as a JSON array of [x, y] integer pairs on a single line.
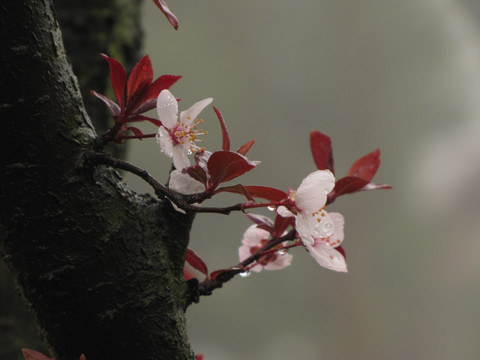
[[301, 218]]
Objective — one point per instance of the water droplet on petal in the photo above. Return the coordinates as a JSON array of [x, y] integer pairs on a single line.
[[282, 251], [271, 208]]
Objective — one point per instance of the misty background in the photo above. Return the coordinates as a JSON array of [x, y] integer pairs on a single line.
[[402, 76]]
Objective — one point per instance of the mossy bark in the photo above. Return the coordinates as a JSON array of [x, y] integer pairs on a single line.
[[100, 266]]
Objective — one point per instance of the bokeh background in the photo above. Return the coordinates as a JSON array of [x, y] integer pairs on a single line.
[[402, 76]]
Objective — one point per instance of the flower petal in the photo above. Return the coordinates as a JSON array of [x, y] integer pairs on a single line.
[[165, 141], [184, 183], [167, 108], [189, 115], [180, 158], [282, 261], [313, 226], [254, 235], [327, 257], [312, 193]]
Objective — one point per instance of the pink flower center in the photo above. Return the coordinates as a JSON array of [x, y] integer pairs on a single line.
[[186, 134]]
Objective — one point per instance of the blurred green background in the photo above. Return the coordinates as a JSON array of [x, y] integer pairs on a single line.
[[403, 76]]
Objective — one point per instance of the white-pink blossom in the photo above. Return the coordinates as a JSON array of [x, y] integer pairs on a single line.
[[315, 226], [178, 134], [253, 239]]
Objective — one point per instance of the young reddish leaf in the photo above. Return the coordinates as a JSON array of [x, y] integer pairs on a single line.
[[366, 166], [166, 11], [135, 130], [118, 77], [162, 83], [282, 223], [341, 250], [112, 106], [225, 136], [243, 150], [199, 357], [196, 172], [188, 273], [82, 357], [260, 219], [321, 146], [227, 165], [139, 79], [236, 189], [34, 355], [196, 262], [348, 185], [265, 192]]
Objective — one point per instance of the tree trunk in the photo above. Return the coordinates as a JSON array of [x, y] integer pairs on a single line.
[[101, 267]]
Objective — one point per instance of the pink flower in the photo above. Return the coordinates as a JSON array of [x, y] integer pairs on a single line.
[[253, 239], [323, 249], [319, 231], [177, 135]]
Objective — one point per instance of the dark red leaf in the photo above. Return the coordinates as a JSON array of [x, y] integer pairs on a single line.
[[236, 189], [196, 262], [112, 106], [341, 250], [118, 77], [282, 223], [348, 185], [166, 11], [321, 146], [243, 150], [225, 136], [135, 130], [82, 357], [265, 192], [140, 77], [162, 83], [260, 220], [196, 172], [366, 166], [227, 165], [34, 355]]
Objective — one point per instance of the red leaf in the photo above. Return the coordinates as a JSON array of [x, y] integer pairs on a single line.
[[225, 136], [196, 172], [341, 250], [166, 11], [196, 262], [242, 150], [366, 166], [162, 83], [236, 189], [265, 192], [321, 146], [227, 165], [260, 220], [118, 77], [348, 185], [282, 223], [112, 106], [135, 130], [34, 355], [82, 357], [140, 77]]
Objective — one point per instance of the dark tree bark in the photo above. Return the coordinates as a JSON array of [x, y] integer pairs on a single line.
[[100, 266]]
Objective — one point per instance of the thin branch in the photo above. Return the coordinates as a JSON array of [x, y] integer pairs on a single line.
[[206, 287]]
